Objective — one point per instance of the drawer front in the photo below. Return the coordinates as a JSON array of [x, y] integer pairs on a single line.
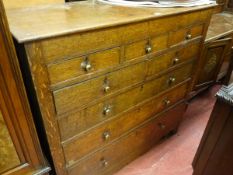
[[155, 86], [161, 63], [78, 95], [136, 49], [144, 47], [74, 150], [106, 161], [185, 34], [83, 66], [75, 123]]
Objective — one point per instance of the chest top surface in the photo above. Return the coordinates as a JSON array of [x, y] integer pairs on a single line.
[[29, 24]]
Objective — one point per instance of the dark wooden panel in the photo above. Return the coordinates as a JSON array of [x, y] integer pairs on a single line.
[[16, 111]]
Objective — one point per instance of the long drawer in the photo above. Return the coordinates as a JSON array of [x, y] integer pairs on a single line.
[[97, 137], [138, 141]]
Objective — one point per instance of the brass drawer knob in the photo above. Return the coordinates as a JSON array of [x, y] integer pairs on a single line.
[[167, 102], [86, 65], [148, 49], [104, 162], [106, 88], [162, 126], [107, 110], [188, 36], [172, 80], [175, 61], [106, 135]]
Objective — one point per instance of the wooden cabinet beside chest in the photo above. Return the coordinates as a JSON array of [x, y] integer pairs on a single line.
[[107, 95], [215, 57]]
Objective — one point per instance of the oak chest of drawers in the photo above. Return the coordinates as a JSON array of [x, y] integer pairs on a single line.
[[110, 86]]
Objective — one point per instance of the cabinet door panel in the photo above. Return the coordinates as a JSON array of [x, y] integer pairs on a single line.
[[212, 57]]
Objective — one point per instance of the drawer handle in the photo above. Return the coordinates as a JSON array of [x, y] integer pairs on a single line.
[[171, 80], [104, 162], [86, 65], [175, 61], [107, 110], [106, 135], [148, 49], [106, 85], [167, 102], [162, 126], [188, 36], [106, 88]]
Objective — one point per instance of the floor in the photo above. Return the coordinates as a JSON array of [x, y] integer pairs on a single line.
[[175, 155]]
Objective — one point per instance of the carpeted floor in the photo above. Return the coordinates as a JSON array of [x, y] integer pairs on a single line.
[[175, 155]]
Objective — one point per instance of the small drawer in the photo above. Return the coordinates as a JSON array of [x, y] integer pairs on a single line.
[[184, 34], [86, 65], [83, 93], [159, 64], [137, 49], [157, 85], [144, 47], [106, 161], [113, 129]]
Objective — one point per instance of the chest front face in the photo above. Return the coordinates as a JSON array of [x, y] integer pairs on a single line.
[[102, 90]]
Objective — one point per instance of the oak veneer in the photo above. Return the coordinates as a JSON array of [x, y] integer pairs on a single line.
[[120, 94]]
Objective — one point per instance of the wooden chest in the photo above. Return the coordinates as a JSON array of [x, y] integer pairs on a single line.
[[110, 86]]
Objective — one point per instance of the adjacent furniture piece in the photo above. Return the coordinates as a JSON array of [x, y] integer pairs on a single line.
[[229, 76], [20, 152], [215, 58], [109, 81], [215, 153]]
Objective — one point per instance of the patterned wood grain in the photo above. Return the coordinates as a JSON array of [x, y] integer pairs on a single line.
[[12, 4], [8, 155]]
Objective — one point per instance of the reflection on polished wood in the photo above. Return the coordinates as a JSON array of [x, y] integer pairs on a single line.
[[84, 16], [8, 155], [11, 4]]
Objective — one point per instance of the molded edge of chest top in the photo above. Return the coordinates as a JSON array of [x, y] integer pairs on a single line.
[[29, 24]]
